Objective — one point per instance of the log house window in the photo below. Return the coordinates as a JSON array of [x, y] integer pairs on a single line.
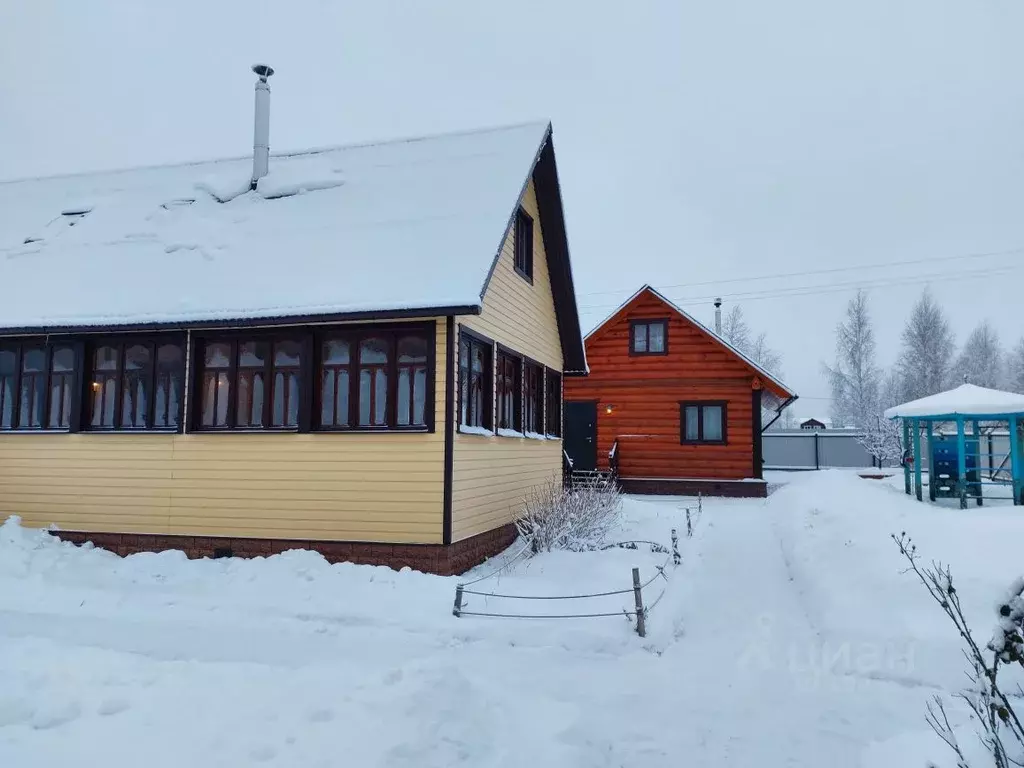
[[553, 404], [36, 385], [534, 398], [135, 384], [510, 391], [523, 242], [702, 422], [376, 379], [648, 337], [476, 404]]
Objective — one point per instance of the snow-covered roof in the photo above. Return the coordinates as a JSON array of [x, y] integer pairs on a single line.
[[966, 400], [780, 390], [395, 227]]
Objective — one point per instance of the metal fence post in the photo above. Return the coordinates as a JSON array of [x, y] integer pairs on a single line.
[[641, 628], [817, 450], [689, 525], [676, 558], [457, 610]]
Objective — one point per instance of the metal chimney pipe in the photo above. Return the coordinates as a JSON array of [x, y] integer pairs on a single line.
[[718, 316], [261, 127]]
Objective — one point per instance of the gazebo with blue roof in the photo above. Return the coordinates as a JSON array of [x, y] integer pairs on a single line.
[[967, 404]]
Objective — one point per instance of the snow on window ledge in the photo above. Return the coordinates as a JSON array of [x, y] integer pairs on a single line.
[[468, 430], [502, 432], [535, 435]]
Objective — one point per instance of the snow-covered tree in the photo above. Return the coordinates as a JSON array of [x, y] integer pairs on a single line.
[[735, 329], [890, 392], [883, 439], [928, 349], [981, 360], [855, 378], [1015, 368]]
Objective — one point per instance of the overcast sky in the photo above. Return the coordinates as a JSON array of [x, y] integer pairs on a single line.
[[697, 141]]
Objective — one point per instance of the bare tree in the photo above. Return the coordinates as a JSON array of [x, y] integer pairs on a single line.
[[735, 329], [928, 348], [855, 377], [981, 360], [1015, 368]]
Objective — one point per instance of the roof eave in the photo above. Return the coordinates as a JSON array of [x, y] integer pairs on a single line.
[[250, 322]]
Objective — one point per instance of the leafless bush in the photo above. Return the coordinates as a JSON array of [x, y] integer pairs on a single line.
[[577, 519], [998, 724]]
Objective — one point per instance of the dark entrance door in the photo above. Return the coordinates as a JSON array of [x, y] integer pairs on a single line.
[[581, 434]]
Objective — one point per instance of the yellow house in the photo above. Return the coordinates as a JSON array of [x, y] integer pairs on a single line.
[[360, 351]]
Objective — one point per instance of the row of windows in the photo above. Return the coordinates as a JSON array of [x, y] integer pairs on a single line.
[[524, 395], [342, 379]]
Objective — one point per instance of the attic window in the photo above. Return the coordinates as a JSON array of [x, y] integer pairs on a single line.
[[524, 245]]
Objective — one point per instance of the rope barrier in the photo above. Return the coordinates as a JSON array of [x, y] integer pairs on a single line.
[[499, 569], [550, 597], [548, 615]]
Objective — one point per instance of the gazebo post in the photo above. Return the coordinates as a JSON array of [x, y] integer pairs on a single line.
[[906, 447], [976, 435], [930, 433], [917, 459], [1016, 471], [961, 447]]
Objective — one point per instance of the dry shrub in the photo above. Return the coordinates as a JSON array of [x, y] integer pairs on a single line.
[[554, 517]]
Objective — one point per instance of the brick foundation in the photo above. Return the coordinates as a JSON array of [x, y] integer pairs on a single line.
[[430, 558], [671, 487]]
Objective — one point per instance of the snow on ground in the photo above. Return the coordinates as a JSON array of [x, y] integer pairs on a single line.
[[788, 637]]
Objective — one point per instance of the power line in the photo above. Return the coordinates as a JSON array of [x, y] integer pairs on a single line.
[[830, 271], [811, 290]]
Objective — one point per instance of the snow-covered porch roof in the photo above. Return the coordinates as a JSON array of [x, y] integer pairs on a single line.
[[966, 401]]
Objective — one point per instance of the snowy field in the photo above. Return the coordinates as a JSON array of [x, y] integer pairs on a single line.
[[788, 637]]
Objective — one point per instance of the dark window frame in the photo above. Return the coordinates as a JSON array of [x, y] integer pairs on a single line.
[[700, 405], [354, 335], [474, 339], [533, 368], [647, 322], [523, 245], [551, 415], [514, 362], [70, 384], [153, 342], [234, 338]]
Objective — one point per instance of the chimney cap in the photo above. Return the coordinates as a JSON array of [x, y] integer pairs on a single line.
[[263, 70], [718, 302]]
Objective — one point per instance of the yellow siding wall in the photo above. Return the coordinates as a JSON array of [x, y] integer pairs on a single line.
[[357, 487], [492, 475]]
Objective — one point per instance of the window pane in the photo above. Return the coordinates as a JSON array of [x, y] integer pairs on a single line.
[[656, 337], [136, 357], [170, 357], [712, 422], [60, 404], [135, 399], [419, 398], [412, 349], [341, 400], [63, 360], [464, 394], [692, 423], [364, 398], [105, 358], [327, 380], [373, 351], [287, 353], [639, 337], [286, 399], [216, 397], [252, 354], [170, 365], [33, 360], [33, 398], [6, 402], [380, 399], [250, 399], [404, 396], [8, 361], [336, 352], [217, 355]]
